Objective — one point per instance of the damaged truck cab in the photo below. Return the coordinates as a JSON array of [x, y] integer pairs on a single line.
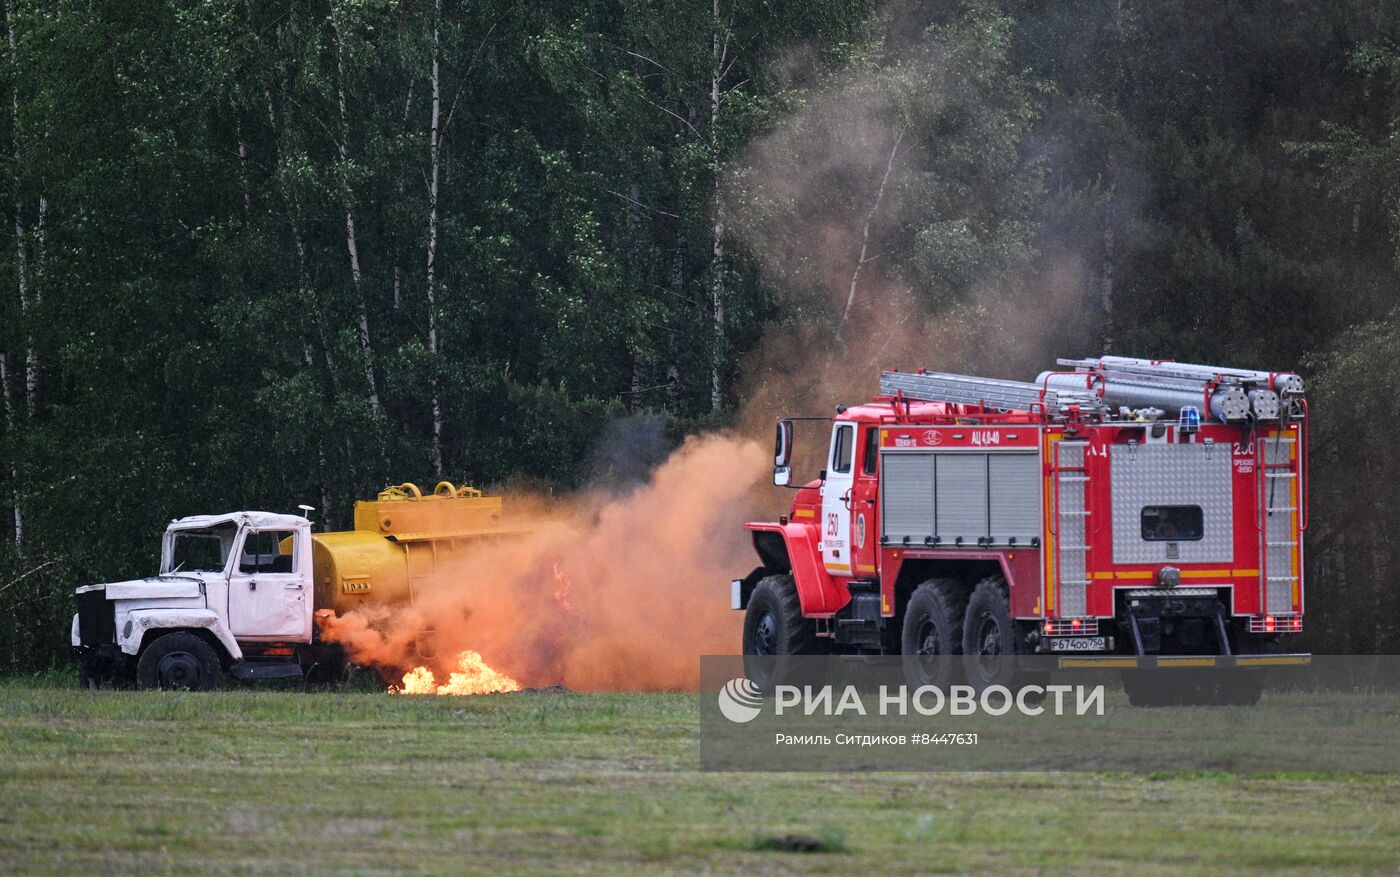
[[245, 592], [232, 589]]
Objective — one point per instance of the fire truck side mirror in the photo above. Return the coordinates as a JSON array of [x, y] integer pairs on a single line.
[[782, 446], [782, 453]]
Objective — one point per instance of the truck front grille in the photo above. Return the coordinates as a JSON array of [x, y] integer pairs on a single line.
[[97, 623]]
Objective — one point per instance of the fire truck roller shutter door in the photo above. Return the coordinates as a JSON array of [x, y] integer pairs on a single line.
[[1014, 511], [961, 497], [907, 490]]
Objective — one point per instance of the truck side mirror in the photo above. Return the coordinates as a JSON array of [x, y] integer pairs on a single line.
[[782, 454]]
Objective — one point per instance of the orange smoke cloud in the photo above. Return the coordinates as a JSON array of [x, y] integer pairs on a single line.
[[602, 593]]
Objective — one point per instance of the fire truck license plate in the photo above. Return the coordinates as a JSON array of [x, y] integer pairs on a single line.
[[1078, 644]]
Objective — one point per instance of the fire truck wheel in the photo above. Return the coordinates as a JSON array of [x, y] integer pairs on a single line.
[[989, 635], [774, 630], [179, 661], [933, 634]]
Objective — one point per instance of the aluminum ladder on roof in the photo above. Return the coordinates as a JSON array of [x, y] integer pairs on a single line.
[[990, 392]]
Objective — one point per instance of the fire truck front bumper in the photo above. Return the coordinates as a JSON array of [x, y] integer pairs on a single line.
[[1181, 662]]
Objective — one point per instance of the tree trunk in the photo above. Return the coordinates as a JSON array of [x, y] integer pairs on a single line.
[[351, 243], [865, 233], [398, 267], [243, 172], [434, 158], [717, 213], [10, 422], [1106, 288], [26, 303]]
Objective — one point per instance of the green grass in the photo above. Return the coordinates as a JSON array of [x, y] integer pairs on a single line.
[[283, 782]]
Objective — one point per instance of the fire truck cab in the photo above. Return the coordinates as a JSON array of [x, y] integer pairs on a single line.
[[1121, 513]]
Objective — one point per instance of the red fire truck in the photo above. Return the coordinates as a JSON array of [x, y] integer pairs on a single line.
[[1121, 513]]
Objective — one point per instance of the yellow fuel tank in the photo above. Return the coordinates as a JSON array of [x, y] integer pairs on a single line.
[[399, 542]]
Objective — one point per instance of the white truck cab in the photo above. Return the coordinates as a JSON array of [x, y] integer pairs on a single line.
[[234, 592]]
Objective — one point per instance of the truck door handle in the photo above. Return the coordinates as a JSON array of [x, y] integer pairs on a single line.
[[252, 585], [293, 587]]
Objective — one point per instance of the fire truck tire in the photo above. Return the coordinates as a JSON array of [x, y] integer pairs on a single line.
[[933, 633], [775, 630], [179, 661], [989, 635]]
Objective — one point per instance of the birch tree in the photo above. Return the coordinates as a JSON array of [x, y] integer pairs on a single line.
[[434, 168], [351, 242]]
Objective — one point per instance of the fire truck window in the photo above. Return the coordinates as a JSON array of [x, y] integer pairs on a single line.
[[841, 454], [262, 552], [1172, 523], [872, 451]]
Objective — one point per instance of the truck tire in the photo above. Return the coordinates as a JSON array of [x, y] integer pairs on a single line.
[[774, 630], [989, 635], [179, 661], [932, 634]]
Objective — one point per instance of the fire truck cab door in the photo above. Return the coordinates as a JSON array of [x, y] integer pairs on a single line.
[[836, 500], [269, 594]]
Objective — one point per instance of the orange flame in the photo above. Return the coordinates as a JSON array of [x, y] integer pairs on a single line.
[[472, 676]]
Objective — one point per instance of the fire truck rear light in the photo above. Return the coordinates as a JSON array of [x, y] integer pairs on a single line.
[[1071, 627], [1275, 624]]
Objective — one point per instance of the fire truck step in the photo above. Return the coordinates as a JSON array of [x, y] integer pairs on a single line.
[[1280, 544]]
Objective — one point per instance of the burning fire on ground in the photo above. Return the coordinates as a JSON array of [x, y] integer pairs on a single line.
[[598, 591], [472, 676]]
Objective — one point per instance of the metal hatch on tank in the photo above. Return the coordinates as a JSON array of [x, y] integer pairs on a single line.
[[401, 538]]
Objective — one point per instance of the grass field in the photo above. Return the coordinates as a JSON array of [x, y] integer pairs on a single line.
[[282, 782]]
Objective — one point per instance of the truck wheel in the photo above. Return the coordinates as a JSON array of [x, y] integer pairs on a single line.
[[179, 661], [933, 633], [775, 630], [989, 636]]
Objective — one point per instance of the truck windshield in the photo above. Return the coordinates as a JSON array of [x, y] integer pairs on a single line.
[[203, 550]]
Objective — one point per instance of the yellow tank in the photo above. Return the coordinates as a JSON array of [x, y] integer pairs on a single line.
[[399, 541]]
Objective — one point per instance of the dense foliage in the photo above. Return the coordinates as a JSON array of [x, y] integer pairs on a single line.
[[268, 253]]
